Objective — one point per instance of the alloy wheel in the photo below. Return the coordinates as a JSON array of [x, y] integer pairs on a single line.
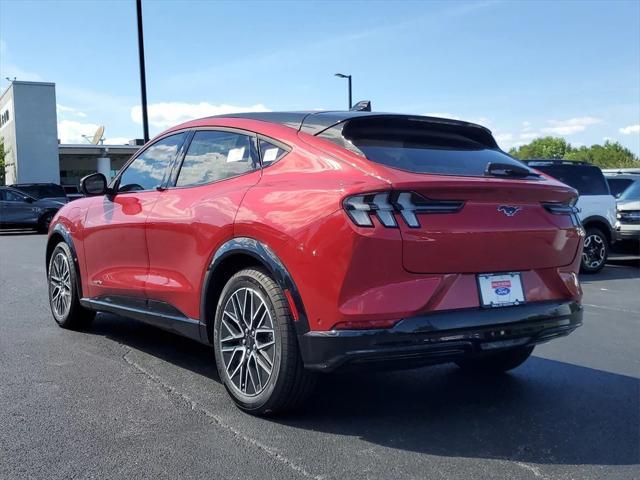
[[60, 285], [594, 251], [247, 341]]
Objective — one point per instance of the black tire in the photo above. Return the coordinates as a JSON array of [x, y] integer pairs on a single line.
[[44, 221], [74, 316], [497, 362], [288, 384], [595, 252]]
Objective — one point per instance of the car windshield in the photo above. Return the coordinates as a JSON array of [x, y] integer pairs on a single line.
[[631, 193], [42, 191], [587, 179]]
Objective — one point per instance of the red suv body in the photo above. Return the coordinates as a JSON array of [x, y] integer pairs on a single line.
[[389, 240]]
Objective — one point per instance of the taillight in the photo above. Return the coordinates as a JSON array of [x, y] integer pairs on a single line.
[[384, 205], [568, 208]]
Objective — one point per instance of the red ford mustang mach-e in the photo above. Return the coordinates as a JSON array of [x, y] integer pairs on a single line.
[[298, 243]]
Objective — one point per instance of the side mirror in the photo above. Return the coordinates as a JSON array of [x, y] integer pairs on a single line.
[[94, 184], [27, 199]]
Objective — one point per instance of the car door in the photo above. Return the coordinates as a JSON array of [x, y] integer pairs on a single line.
[[16, 209], [195, 215], [115, 244]]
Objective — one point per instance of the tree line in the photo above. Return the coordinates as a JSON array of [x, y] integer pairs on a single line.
[[608, 155]]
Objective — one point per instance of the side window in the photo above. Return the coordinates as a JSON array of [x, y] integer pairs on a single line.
[[270, 153], [10, 196], [147, 171], [216, 155]]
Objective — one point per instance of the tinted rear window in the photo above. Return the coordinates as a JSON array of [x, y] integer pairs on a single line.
[[618, 185], [420, 146], [586, 179], [42, 191]]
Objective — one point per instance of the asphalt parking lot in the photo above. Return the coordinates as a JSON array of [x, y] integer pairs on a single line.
[[125, 400]]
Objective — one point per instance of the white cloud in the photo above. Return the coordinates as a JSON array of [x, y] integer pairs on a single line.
[[526, 126], [168, 114], [529, 135], [503, 137], [70, 131], [631, 129], [570, 126], [442, 115], [11, 70], [62, 109], [116, 141]]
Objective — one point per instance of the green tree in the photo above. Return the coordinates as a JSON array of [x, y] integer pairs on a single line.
[[545, 147], [609, 155]]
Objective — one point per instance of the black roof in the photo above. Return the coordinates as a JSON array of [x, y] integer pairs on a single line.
[[318, 121]]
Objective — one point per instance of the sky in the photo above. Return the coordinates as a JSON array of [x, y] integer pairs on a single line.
[[523, 69]]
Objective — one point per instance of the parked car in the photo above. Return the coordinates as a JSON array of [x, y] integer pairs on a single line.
[[19, 210], [72, 192], [299, 243], [625, 186], [43, 191], [596, 205]]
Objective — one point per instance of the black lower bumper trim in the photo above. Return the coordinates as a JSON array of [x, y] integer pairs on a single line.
[[441, 337]]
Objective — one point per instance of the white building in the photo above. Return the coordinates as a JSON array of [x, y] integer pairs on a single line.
[[33, 154]]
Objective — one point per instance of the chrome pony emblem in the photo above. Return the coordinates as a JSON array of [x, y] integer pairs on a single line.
[[509, 210]]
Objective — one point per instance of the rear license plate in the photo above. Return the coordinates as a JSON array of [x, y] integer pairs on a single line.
[[500, 290]]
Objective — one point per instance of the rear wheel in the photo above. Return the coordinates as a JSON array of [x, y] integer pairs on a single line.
[[63, 291], [497, 362], [256, 347], [595, 251]]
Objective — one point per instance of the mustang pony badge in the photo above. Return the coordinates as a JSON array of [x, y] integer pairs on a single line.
[[509, 210]]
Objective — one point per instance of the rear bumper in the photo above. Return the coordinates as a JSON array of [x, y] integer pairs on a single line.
[[440, 337]]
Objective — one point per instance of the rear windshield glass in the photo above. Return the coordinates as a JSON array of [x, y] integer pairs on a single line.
[[587, 179], [42, 191], [422, 147], [618, 185]]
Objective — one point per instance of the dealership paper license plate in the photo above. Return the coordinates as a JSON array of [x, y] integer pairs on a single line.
[[500, 290]]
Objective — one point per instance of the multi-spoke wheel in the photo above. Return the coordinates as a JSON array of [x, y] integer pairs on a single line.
[[256, 346], [63, 291], [60, 285], [247, 341], [595, 251]]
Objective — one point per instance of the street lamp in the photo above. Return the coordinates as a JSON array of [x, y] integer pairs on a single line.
[[348, 77], [143, 79]]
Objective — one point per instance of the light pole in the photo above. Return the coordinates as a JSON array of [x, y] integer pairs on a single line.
[[143, 79], [348, 77]]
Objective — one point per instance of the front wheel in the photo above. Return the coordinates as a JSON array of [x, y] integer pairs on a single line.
[[595, 251], [63, 291], [497, 362], [256, 347]]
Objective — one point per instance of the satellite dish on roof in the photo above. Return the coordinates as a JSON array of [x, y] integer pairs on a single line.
[[97, 138]]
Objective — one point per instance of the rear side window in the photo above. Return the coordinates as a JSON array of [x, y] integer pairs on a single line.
[[586, 179], [618, 185], [215, 155], [421, 147], [42, 191], [270, 153]]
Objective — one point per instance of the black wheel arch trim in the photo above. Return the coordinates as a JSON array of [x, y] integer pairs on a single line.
[[265, 256], [601, 220], [61, 230]]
